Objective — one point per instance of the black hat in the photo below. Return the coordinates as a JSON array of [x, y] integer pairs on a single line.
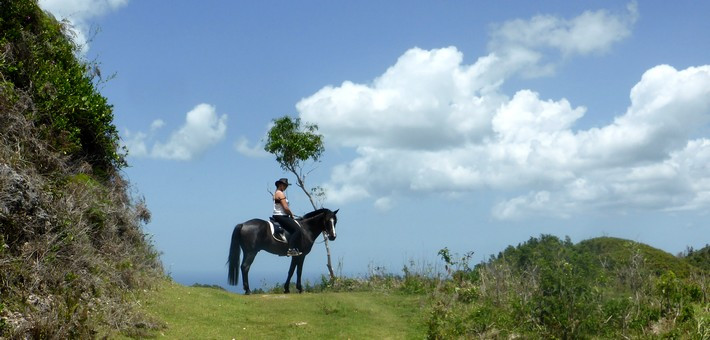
[[282, 180]]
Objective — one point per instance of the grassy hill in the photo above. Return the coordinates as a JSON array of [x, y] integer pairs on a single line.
[[209, 313], [699, 258], [598, 288], [615, 254], [543, 288]]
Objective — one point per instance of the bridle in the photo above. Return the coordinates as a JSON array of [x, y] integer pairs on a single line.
[[326, 231]]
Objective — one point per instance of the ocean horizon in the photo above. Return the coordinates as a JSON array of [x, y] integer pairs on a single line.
[[257, 279]]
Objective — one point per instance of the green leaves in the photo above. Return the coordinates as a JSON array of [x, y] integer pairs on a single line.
[[39, 60], [551, 288], [293, 143]]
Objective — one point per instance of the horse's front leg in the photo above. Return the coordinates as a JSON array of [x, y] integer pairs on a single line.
[[298, 273], [290, 274]]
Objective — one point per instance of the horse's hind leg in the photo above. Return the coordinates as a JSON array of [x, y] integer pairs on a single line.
[[246, 264]]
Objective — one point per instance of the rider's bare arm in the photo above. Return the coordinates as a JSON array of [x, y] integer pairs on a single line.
[[281, 198], [284, 203]]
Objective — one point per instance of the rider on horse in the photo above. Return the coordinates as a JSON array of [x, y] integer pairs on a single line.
[[284, 216]]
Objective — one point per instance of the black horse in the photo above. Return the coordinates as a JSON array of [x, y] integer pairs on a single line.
[[255, 235]]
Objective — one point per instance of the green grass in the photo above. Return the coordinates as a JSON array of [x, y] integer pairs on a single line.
[[208, 313]]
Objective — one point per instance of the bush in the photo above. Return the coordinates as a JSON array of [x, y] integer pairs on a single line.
[[551, 288], [39, 59], [71, 245]]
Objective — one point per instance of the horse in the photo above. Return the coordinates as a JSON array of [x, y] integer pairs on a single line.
[[254, 235]]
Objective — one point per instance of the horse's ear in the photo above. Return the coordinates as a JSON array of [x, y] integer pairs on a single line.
[[336, 211]]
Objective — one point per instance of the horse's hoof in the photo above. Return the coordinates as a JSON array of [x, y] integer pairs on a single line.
[[247, 292]]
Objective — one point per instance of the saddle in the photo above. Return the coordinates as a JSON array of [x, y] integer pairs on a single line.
[[277, 232]]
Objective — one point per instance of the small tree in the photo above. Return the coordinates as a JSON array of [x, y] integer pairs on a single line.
[[294, 144]]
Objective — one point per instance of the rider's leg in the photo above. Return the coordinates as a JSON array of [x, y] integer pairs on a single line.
[[293, 228]]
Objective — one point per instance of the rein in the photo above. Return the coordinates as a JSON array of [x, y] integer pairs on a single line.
[[323, 240]]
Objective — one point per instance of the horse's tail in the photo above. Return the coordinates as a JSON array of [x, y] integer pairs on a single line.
[[234, 252]]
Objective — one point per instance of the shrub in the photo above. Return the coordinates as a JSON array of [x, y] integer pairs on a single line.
[[71, 244], [38, 58], [551, 288]]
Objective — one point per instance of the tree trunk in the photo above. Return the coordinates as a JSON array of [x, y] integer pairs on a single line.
[[329, 264], [302, 185]]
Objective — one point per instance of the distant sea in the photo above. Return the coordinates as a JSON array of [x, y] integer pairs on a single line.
[[263, 280]]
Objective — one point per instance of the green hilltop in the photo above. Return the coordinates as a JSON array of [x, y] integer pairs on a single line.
[[699, 258], [599, 288], [616, 254]]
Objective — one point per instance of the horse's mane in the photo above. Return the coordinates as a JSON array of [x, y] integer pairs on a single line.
[[314, 213]]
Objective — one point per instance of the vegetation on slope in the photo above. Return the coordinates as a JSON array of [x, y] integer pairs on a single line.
[[547, 287], [38, 61], [699, 258], [71, 244], [543, 288], [616, 254]]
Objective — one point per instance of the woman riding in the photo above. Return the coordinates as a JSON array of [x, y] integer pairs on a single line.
[[283, 215]]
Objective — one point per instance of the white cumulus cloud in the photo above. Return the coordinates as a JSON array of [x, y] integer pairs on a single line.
[[202, 129], [241, 145], [520, 42], [432, 124]]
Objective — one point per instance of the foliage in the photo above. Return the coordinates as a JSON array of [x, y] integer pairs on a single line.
[[542, 288], [200, 285], [37, 58], [294, 143], [417, 280], [72, 250], [699, 258], [615, 254], [552, 288]]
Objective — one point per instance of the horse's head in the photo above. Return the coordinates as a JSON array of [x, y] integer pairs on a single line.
[[330, 220], [323, 220]]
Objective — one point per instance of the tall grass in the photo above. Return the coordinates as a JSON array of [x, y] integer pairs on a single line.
[[543, 288], [549, 288], [553, 289]]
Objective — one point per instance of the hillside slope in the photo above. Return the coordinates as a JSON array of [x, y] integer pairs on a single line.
[[550, 288], [616, 253], [71, 244], [699, 258]]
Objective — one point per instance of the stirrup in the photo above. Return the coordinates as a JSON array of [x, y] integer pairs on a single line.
[[293, 252]]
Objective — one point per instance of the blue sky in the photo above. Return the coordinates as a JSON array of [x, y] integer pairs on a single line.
[[461, 124]]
